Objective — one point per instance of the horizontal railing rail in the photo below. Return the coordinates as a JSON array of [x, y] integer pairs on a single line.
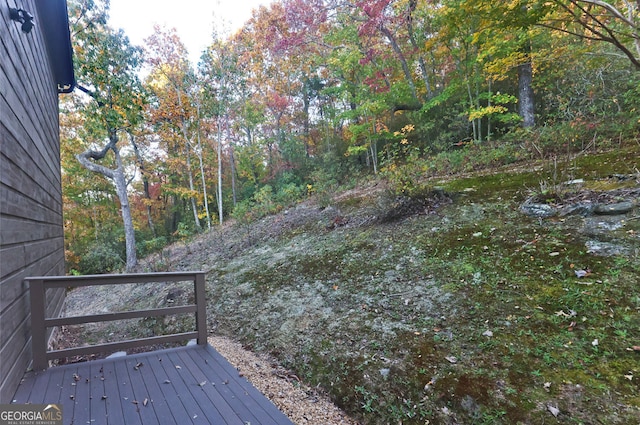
[[40, 323]]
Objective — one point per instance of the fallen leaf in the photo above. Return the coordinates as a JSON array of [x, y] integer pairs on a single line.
[[554, 410], [582, 273]]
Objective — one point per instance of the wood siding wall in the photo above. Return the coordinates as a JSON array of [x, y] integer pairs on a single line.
[[31, 226]]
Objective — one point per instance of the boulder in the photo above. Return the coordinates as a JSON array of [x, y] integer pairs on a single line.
[[537, 210], [614, 209]]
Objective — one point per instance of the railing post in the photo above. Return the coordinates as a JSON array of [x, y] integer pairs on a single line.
[[201, 308], [38, 331]]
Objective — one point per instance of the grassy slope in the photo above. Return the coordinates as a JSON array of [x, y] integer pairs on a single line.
[[469, 312]]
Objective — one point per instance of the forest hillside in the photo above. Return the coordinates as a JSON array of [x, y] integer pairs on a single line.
[[500, 297], [426, 209], [310, 97]]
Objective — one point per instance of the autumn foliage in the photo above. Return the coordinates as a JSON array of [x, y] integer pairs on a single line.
[[311, 93]]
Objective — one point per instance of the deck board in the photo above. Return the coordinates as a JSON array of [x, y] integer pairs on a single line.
[[186, 385], [220, 406], [178, 411], [113, 403]]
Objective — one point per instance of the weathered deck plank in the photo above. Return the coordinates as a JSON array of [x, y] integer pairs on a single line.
[[186, 385]]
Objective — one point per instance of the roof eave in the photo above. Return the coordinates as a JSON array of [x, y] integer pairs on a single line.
[[54, 20]]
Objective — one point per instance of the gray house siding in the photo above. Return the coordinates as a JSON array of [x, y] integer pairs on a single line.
[[31, 223]]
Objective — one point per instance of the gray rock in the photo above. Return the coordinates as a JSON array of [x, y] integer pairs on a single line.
[[538, 210], [613, 209], [583, 208], [602, 225], [606, 249]]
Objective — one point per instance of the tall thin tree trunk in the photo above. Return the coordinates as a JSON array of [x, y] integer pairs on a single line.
[[194, 207], [125, 209], [526, 107], [219, 152], [183, 128], [403, 61], [472, 103], [373, 147], [421, 62], [232, 161], [145, 183], [525, 95], [204, 182], [489, 116]]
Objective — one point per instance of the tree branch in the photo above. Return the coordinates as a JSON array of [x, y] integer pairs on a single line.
[[85, 160], [611, 9], [90, 93], [87, 156]]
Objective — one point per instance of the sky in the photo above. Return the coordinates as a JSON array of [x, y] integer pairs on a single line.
[[193, 19]]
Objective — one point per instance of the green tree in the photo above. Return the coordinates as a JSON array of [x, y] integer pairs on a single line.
[[107, 66], [174, 113]]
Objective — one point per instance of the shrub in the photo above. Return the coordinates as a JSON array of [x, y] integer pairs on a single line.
[[242, 212], [100, 258], [150, 246], [290, 193]]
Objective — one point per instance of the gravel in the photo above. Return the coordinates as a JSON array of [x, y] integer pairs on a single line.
[[301, 403]]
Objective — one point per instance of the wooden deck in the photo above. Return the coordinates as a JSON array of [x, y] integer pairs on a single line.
[[186, 385]]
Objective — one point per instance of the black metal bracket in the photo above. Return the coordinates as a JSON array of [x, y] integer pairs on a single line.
[[24, 17]]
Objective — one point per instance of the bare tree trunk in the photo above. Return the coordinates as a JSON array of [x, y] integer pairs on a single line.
[[403, 61], [117, 176], [194, 207], [145, 183], [125, 209], [219, 152], [204, 181], [183, 128], [525, 89], [373, 148], [525, 95], [232, 161], [421, 62]]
